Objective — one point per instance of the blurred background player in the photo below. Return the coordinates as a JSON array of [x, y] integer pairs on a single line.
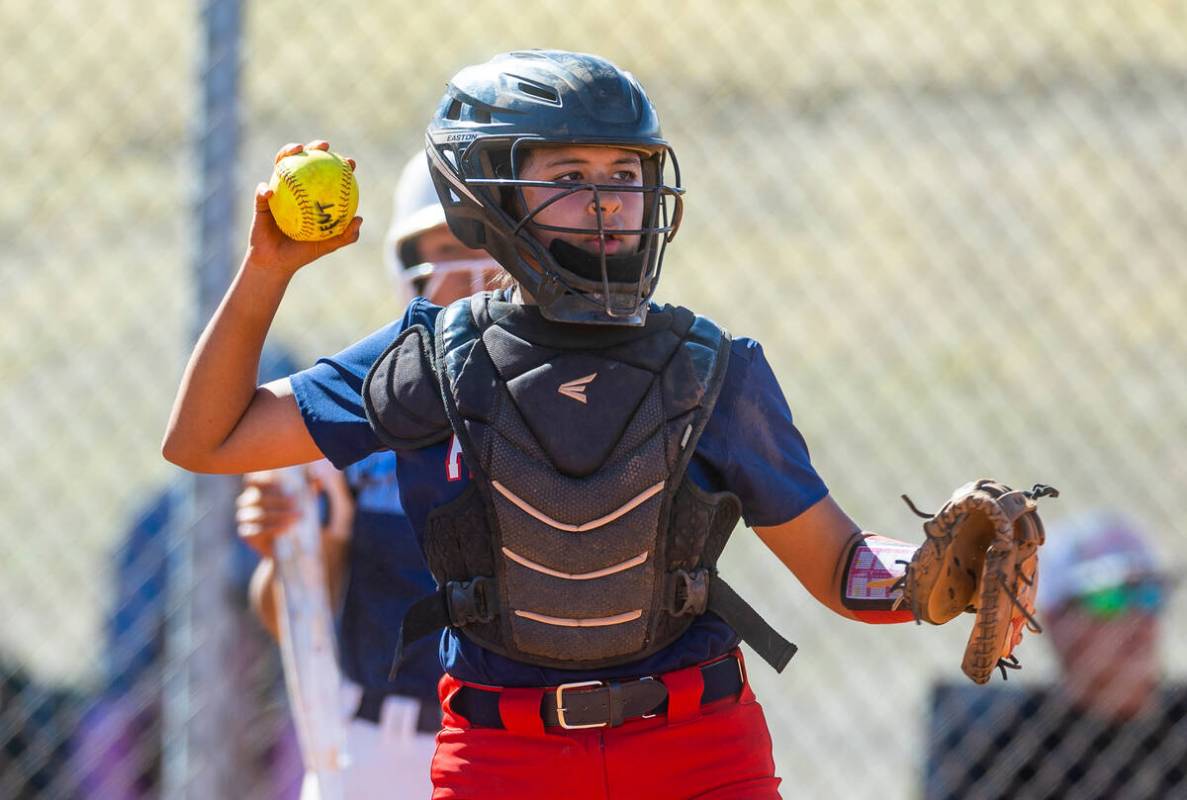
[[423, 257], [1108, 728], [375, 564]]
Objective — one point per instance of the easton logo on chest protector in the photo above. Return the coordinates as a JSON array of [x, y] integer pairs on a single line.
[[580, 542], [575, 389]]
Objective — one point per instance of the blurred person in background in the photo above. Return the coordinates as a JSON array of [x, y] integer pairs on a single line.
[[117, 747], [374, 564], [1108, 727]]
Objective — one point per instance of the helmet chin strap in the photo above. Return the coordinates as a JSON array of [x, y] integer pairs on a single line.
[[584, 264]]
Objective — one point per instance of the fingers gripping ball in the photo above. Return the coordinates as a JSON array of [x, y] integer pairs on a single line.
[[314, 195], [981, 555]]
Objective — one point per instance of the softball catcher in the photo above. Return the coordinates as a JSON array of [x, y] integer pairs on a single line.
[[573, 458]]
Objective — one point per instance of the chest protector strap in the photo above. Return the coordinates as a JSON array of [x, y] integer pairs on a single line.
[[580, 542]]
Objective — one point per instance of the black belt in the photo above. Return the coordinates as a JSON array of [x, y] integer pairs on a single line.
[[371, 708], [596, 704]]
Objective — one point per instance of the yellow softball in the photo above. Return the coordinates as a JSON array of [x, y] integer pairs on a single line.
[[314, 195]]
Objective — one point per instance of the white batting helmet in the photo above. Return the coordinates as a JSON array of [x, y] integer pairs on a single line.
[[416, 211]]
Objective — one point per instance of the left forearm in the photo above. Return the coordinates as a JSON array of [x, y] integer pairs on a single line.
[[846, 569], [813, 546]]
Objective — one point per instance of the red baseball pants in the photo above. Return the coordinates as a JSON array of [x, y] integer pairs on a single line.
[[720, 751]]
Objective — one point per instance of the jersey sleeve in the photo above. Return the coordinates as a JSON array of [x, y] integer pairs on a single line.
[[329, 394], [754, 445]]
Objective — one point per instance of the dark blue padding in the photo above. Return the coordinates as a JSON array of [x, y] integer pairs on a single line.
[[401, 394]]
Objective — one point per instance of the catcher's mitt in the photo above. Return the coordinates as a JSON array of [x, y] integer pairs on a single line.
[[981, 555]]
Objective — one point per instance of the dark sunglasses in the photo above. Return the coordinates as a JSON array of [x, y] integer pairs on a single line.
[[1147, 597]]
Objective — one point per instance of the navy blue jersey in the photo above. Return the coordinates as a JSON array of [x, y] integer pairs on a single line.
[[386, 574], [750, 447]]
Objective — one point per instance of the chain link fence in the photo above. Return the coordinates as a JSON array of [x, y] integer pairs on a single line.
[[955, 227]]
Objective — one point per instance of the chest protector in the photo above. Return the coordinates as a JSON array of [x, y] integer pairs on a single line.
[[580, 542]]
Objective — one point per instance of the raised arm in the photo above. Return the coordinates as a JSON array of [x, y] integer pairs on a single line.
[[221, 420]]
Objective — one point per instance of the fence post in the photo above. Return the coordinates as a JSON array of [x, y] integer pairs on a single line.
[[200, 720]]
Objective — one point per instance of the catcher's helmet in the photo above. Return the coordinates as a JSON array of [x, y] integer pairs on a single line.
[[490, 114], [416, 211]]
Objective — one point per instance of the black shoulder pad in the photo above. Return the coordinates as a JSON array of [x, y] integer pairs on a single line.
[[402, 395], [695, 372]]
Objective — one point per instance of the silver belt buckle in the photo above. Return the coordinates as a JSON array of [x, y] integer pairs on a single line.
[[560, 708]]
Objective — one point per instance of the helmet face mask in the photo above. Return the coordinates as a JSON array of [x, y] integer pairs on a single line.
[[492, 116]]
